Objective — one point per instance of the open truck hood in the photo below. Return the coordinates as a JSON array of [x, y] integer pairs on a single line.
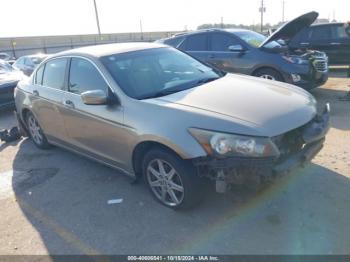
[[291, 28]]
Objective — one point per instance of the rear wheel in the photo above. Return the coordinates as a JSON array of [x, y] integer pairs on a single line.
[[270, 74], [172, 180], [35, 132]]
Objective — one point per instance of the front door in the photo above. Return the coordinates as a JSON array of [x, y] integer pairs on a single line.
[[96, 130]]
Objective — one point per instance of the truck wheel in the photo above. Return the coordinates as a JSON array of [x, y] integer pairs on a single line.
[[270, 74], [35, 132], [172, 180]]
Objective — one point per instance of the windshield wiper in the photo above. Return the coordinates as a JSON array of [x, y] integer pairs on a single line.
[[175, 89], [206, 80]]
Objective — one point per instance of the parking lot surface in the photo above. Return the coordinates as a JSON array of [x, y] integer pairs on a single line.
[[55, 202]]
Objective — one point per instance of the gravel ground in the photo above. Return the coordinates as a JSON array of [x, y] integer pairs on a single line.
[[55, 202]]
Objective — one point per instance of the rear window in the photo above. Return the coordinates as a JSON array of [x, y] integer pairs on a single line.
[[175, 41], [54, 73], [195, 43]]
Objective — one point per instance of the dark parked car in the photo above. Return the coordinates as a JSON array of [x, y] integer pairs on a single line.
[[248, 52], [8, 81], [332, 38], [27, 64]]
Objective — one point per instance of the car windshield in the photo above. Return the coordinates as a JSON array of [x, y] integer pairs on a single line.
[[36, 60], [255, 39], [157, 72]]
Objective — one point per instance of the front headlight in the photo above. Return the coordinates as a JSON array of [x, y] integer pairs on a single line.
[[221, 144], [295, 60]]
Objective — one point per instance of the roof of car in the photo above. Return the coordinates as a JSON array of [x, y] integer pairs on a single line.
[[110, 49], [328, 24]]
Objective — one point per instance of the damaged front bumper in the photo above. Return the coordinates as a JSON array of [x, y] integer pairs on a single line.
[[297, 147]]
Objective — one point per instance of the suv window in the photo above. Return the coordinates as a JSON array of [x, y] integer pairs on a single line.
[[196, 42], [174, 41], [39, 75], [83, 76], [320, 33], [221, 42], [54, 73], [339, 32]]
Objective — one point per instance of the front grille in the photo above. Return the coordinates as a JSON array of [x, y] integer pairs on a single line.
[[321, 65], [290, 142]]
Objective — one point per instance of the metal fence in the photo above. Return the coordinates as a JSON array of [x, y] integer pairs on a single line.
[[19, 46]]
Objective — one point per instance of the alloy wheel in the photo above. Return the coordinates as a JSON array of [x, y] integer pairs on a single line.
[[35, 130], [165, 182]]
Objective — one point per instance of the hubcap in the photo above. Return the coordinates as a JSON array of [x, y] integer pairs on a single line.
[[165, 182], [35, 130], [269, 77]]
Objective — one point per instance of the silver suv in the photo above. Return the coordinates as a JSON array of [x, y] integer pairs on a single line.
[[152, 111]]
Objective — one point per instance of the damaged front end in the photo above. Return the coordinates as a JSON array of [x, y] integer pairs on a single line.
[[296, 148]]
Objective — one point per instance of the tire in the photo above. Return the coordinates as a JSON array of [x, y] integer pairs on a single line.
[[269, 73], [178, 176], [35, 132]]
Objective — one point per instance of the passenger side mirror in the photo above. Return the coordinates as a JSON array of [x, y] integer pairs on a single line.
[[94, 97], [236, 48]]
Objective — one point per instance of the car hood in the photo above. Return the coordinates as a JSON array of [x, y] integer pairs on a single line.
[[271, 108], [9, 77], [291, 28]]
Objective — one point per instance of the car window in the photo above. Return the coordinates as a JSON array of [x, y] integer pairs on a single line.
[[320, 33], [174, 41], [54, 73], [221, 42], [339, 32], [39, 75], [195, 43], [20, 61], [84, 76], [28, 62]]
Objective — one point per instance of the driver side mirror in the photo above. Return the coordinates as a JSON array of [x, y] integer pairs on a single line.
[[236, 48], [94, 97]]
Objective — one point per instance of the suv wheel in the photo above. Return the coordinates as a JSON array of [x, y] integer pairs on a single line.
[[270, 74], [35, 132], [172, 180]]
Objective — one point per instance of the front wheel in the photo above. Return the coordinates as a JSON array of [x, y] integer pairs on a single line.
[[172, 180], [270, 74]]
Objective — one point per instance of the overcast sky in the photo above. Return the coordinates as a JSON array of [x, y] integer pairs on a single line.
[[57, 17]]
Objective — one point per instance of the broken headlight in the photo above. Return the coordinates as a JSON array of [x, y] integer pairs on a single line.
[[222, 144]]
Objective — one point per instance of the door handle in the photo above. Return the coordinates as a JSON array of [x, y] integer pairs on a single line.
[[68, 103], [211, 56], [304, 43], [334, 43], [35, 92]]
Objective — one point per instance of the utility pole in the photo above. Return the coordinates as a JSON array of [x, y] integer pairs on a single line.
[[283, 6], [222, 22], [141, 29], [262, 10], [97, 20]]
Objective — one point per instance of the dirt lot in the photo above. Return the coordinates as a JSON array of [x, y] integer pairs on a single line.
[[56, 202]]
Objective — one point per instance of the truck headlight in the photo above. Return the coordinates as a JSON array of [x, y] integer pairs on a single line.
[[222, 144], [295, 60]]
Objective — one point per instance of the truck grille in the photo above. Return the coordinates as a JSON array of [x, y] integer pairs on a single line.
[[321, 65]]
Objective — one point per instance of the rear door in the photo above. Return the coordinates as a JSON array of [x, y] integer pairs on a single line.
[[95, 130], [197, 46], [48, 92], [340, 39]]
